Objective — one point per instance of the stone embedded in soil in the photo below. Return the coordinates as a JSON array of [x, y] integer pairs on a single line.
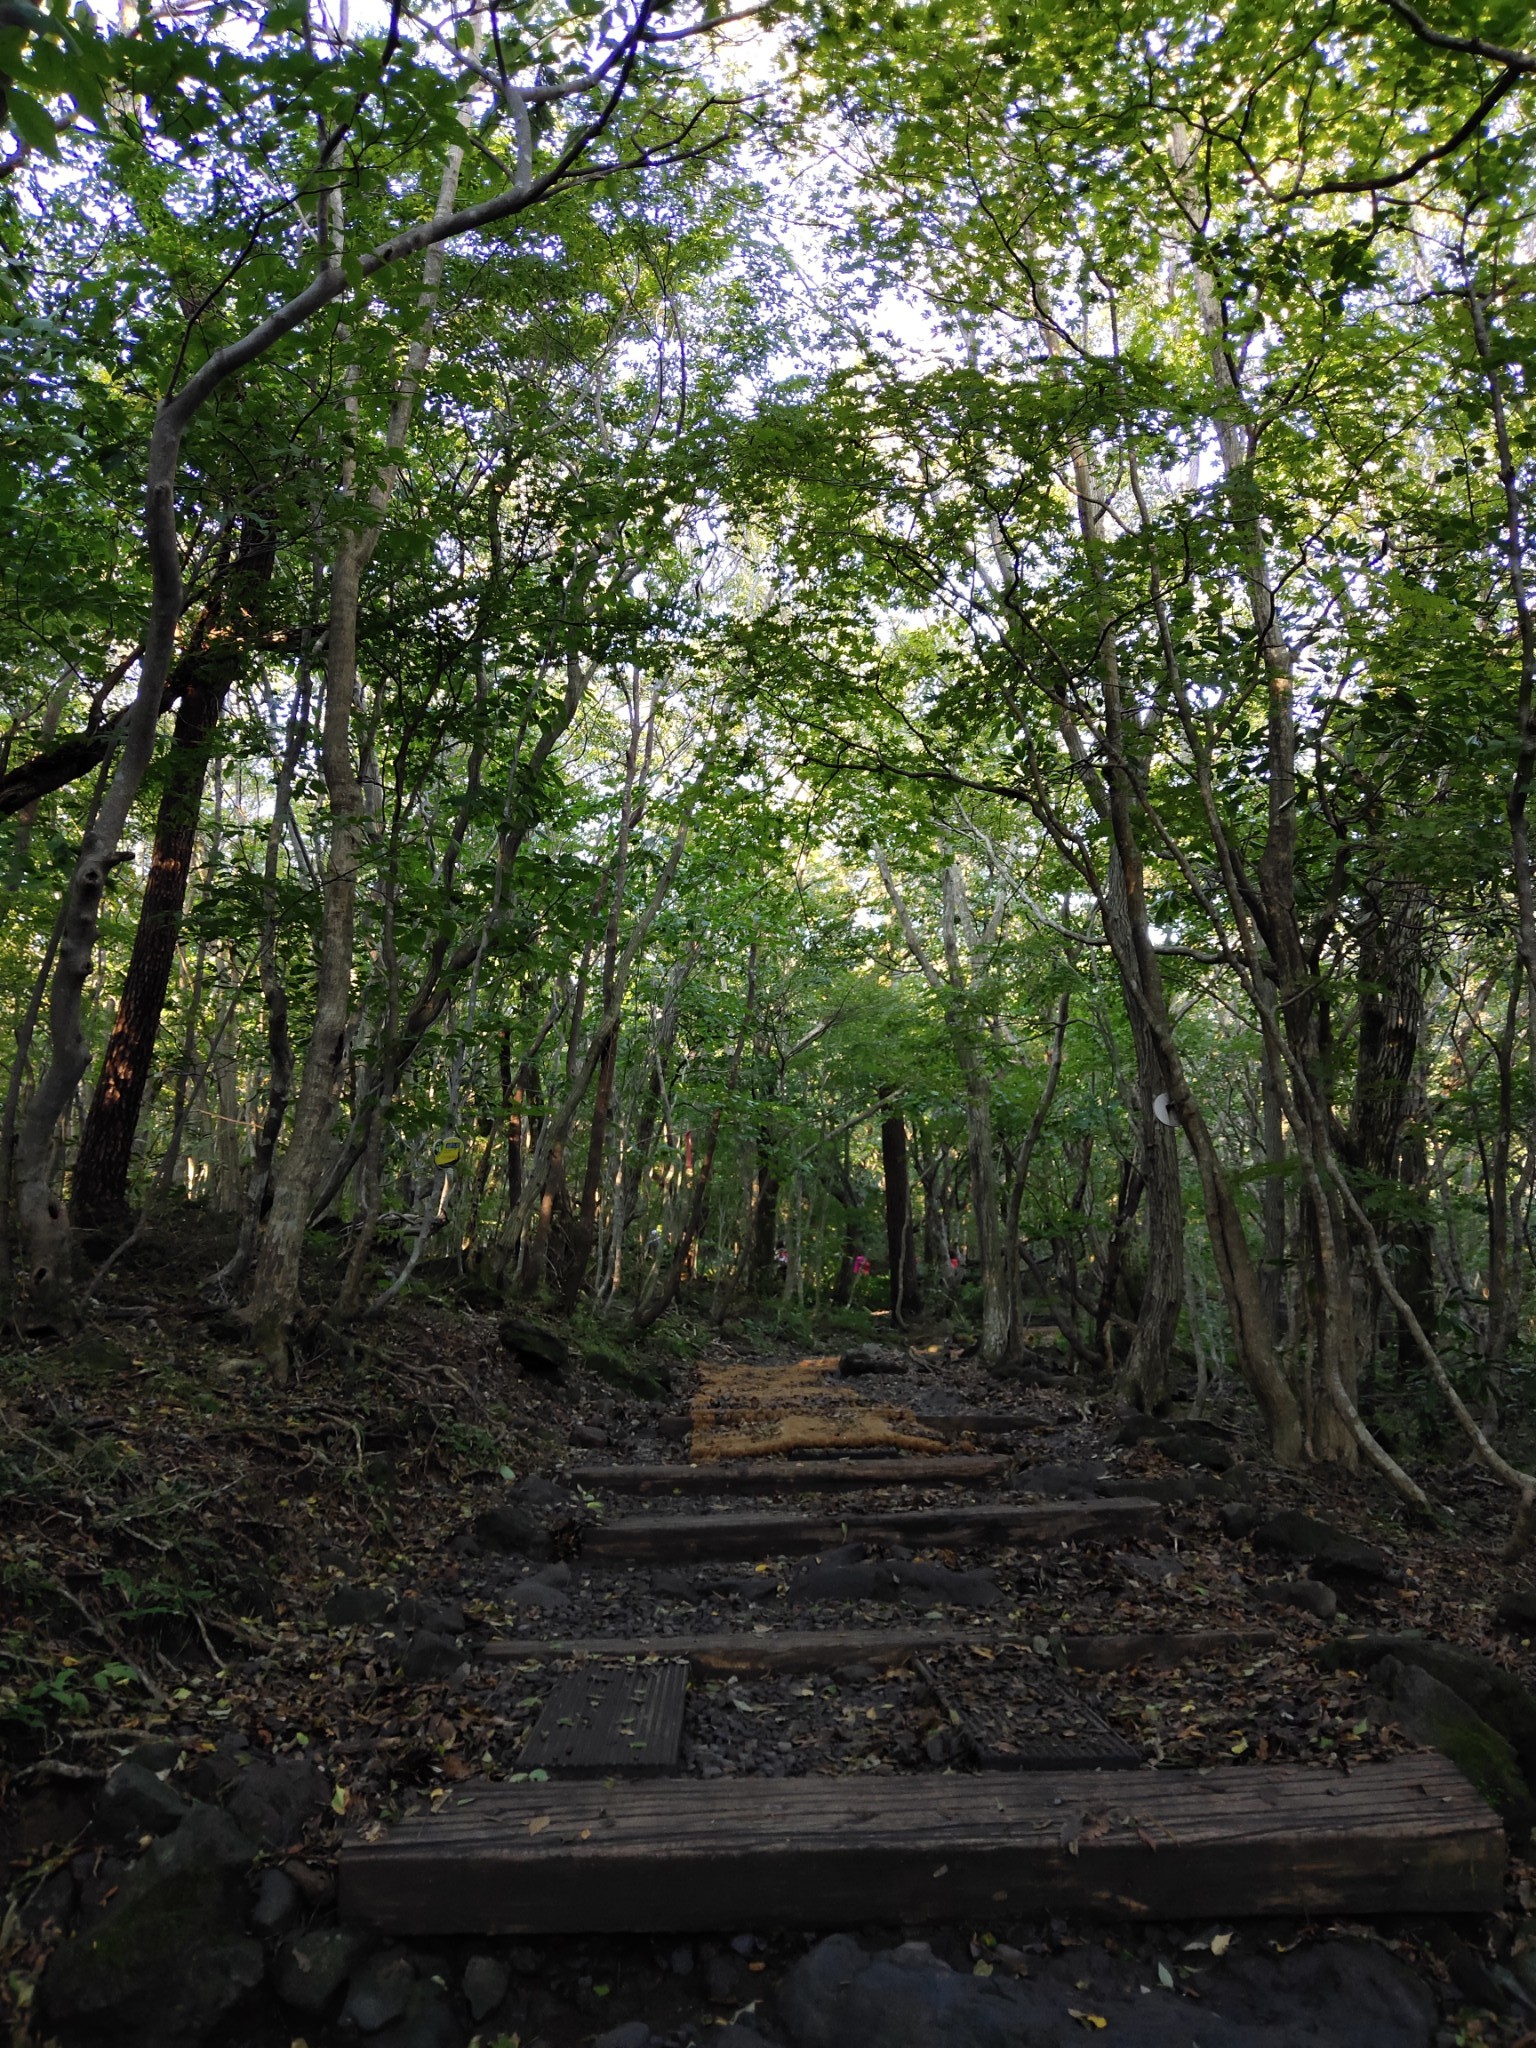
[[1311, 1595], [1157, 1569], [726, 1980], [316, 1885], [486, 1980], [134, 1802], [1238, 1520], [534, 1349], [427, 2021], [169, 1958], [871, 1358], [894, 1580], [1320, 1545], [1334, 1995], [514, 1529], [279, 1902], [442, 1617], [632, 2034], [538, 1594], [309, 1970], [378, 1991], [1428, 1711], [1491, 1691], [1517, 1610], [428, 1656], [359, 1606], [588, 1436], [273, 1797]]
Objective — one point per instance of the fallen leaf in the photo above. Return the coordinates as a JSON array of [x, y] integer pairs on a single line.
[[1088, 2019], [537, 1827], [1220, 1943]]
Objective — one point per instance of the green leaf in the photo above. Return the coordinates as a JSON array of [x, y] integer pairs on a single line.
[[33, 123]]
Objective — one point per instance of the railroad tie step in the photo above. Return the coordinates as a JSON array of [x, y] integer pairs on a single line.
[[1407, 1835], [681, 1538]]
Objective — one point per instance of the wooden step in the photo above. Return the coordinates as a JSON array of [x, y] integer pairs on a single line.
[[791, 1475], [677, 1539], [1162, 1652], [886, 1649], [619, 1721], [1405, 1836], [735, 1650], [676, 1427]]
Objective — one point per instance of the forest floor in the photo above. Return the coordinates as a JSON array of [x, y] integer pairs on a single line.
[[204, 1571]]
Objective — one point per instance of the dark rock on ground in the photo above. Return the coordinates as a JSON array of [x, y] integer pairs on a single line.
[[1061, 1482], [279, 1903], [514, 1529], [353, 1606], [893, 1580], [272, 1798], [1186, 1448], [378, 1992], [427, 2021], [134, 1802], [50, 1904], [1517, 1610], [1238, 1520], [868, 1358], [1182, 1492], [1334, 1995], [155, 1756], [633, 2034], [737, 2036], [316, 1885], [442, 1617], [486, 1980], [428, 1656], [540, 1595], [726, 1980], [1427, 1709], [535, 1349], [1486, 1687], [630, 1375], [1326, 1549], [673, 1586], [169, 1958], [1308, 1594], [309, 1970], [588, 1436]]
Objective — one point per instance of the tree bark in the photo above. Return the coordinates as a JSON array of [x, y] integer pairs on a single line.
[[99, 1190], [900, 1240]]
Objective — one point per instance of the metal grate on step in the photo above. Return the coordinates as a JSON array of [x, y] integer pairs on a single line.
[[610, 1721], [1015, 1714]]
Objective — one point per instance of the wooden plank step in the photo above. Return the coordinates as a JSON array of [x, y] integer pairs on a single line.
[[675, 1539], [618, 1721], [886, 1649], [791, 1475], [1408, 1835], [678, 1427], [1160, 1652], [735, 1650]]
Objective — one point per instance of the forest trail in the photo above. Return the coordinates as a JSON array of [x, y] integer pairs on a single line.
[[976, 1789], [856, 1684]]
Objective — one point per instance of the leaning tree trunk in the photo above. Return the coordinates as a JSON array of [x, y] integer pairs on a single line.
[[99, 1194]]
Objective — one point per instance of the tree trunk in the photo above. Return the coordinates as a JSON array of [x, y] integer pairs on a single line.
[[900, 1241]]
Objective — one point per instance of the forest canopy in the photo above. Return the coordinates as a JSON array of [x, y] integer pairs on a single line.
[[757, 662]]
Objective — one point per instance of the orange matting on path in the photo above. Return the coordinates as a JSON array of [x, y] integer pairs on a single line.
[[752, 1411]]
